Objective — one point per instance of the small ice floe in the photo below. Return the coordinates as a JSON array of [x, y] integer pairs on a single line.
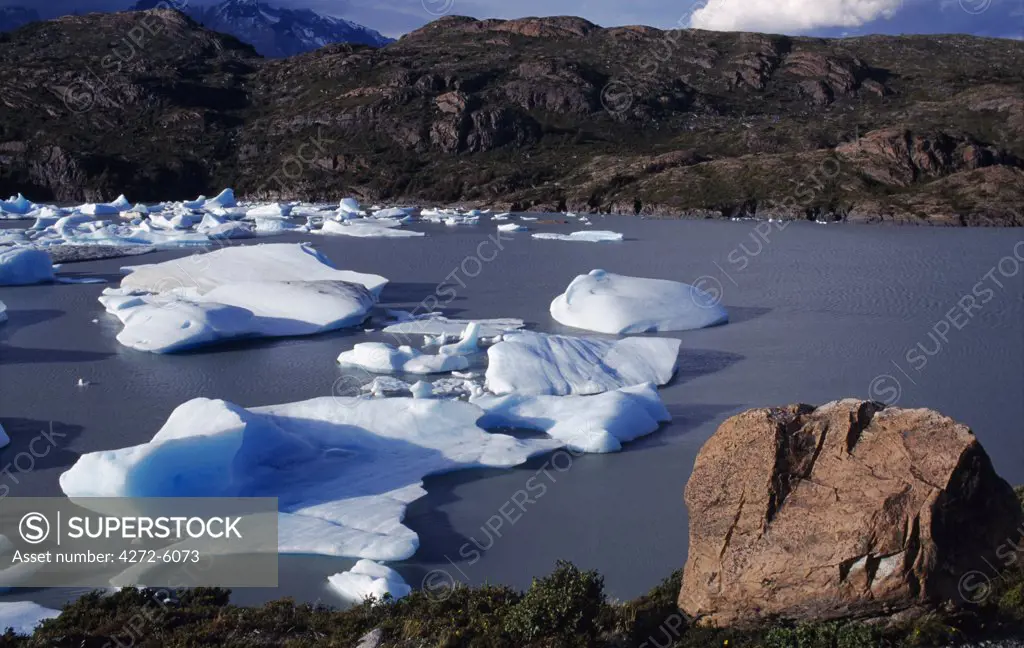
[[82, 382], [273, 210], [368, 579], [344, 469], [597, 424], [259, 291], [437, 324], [617, 304], [16, 206], [106, 209], [591, 236], [369, 228], [350, 206], [504, 216], [387, 386], [528, 218], [422, 389], [381, 358], [537, 363], [24, 616], [3, 312], [512, 227]]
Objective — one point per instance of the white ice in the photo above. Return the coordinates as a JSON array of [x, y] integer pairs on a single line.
[[3, 312], [259, 291], [512, 227], [18, 206], [536, 363], [368, 228], [436, 324], [344, 469], [369, 579], [587, 236], [24, 616], [617, 304], [377, 357], [597, 424], [22, 266]]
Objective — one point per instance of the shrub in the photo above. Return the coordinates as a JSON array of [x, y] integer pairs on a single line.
[[564, 606]]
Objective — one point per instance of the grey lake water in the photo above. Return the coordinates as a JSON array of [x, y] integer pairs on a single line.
[[913, 316]]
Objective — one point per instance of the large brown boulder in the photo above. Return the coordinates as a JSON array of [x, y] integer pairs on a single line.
[[850, 509]]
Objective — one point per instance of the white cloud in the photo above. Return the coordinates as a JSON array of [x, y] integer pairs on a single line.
[[790, 16]]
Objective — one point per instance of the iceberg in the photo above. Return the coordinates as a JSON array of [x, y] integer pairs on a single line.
[[259, 291], [343, 469], [512, 227], [535, 363], [23, 266], [617, 304], [436, 324], [24, 616], [596, 424], [349, 206], [223, 200], [368, 228], [273, 210], [106, 209], [369, 579], [380, 358], [249, 264], [587, 236], [17, 206]]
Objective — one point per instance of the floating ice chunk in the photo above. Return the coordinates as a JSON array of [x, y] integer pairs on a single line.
[[512, 227], [392, 212], [377, 357], [422, 389], [22, 266], [64, 223], [617, 304], [387, 386], [255, 263], [467, 345], [368, 229], [343, 469], [106, 209], [536, 363], [4, 439], [528, 218], [176, 320], [502, 217], [589, 236], [436, 324], [139, 208], [273, 210], [230, 230], [349, 206], [598, 424], [225, 198], [3, 312], [369, 579], [182, 221], [17, 205], [271, 226], [209, 222], [24, 616]]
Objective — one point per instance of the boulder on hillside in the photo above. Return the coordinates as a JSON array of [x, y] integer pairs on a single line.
[[851, 509]]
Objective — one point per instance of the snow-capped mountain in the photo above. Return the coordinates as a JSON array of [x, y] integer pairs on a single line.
[[14, 17], [274, 31]]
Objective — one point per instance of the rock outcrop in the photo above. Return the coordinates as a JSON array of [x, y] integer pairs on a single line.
[[851, 509], [521, 114]]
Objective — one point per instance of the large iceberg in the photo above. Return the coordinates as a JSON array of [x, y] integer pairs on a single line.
[[22, 266], [367, 579], [597, 424], [248, 264], [617, 304], [259, 291], [536, 363], [344, 469]]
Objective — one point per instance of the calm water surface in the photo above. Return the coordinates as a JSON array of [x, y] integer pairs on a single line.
[[818, 313]]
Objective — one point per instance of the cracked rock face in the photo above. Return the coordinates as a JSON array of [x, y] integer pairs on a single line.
[[848, 509]]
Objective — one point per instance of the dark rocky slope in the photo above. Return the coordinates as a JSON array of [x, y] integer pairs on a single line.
[[545, 113]]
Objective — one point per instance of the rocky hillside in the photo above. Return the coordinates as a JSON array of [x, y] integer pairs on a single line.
[[545, 113]]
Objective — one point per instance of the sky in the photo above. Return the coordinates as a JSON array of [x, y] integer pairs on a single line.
[[1000, 18]]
